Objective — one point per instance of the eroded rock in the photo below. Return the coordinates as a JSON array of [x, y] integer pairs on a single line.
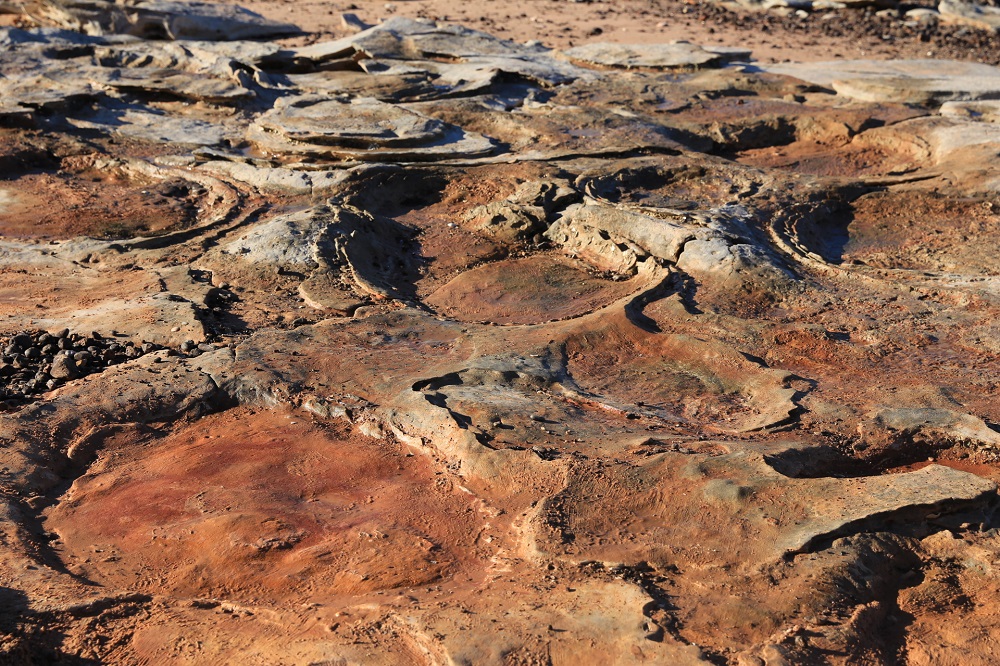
[[444, 348]]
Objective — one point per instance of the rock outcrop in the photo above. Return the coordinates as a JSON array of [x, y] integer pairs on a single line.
[[423, 346]]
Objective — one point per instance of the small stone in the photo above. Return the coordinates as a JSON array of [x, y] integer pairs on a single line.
[[64, 367]]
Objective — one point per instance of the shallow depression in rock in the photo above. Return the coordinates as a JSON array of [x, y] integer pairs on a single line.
[[243, 503], [527, 291], [681, 186], [925, 231], [906, 229], [84, 197]]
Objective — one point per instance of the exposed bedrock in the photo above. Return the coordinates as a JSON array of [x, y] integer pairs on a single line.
[[423, 346]]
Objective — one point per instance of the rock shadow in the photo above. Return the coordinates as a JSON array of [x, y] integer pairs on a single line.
[[30, 639]]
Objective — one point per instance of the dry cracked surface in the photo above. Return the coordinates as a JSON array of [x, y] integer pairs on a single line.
[[421, 346]]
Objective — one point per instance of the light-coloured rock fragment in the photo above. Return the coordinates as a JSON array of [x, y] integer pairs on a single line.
[[980, 15], [982, 111], [942, 426], [922, 15], [874, 498], [361, 129], [654, 56], [929, 82]]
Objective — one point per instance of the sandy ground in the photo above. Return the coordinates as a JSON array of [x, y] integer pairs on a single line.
[[773, 36]]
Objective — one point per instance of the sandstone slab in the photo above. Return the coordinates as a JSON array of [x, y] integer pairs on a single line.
[[654, 56], [928, 82]]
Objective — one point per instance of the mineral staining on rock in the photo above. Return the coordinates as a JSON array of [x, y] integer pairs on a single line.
[[463, 351]]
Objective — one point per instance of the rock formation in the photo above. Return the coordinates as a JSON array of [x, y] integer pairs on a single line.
[[422, 346]]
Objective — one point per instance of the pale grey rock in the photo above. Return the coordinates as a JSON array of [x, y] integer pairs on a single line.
[[654, 56], [523, 214], [276, 179], [603, 250], [45, 92], [57, 38], [983, 111], [946, 140], [472, 74], [427, 44], [931, 424], [659, 237], [183, 85], [341, 253], [386, 84], [848, 503], [929, 82], [975, 14], [351, 21], [362, 129], [286, 242], [727, 263], [922, 15], [363, 123], [414, 40], [153, 125]]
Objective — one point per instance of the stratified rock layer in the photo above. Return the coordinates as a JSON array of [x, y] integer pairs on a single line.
[[462, 351]]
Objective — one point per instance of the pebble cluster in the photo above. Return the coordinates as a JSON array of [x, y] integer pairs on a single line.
[[35, 361]]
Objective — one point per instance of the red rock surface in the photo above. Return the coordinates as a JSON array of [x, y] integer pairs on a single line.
[[566, 365]]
